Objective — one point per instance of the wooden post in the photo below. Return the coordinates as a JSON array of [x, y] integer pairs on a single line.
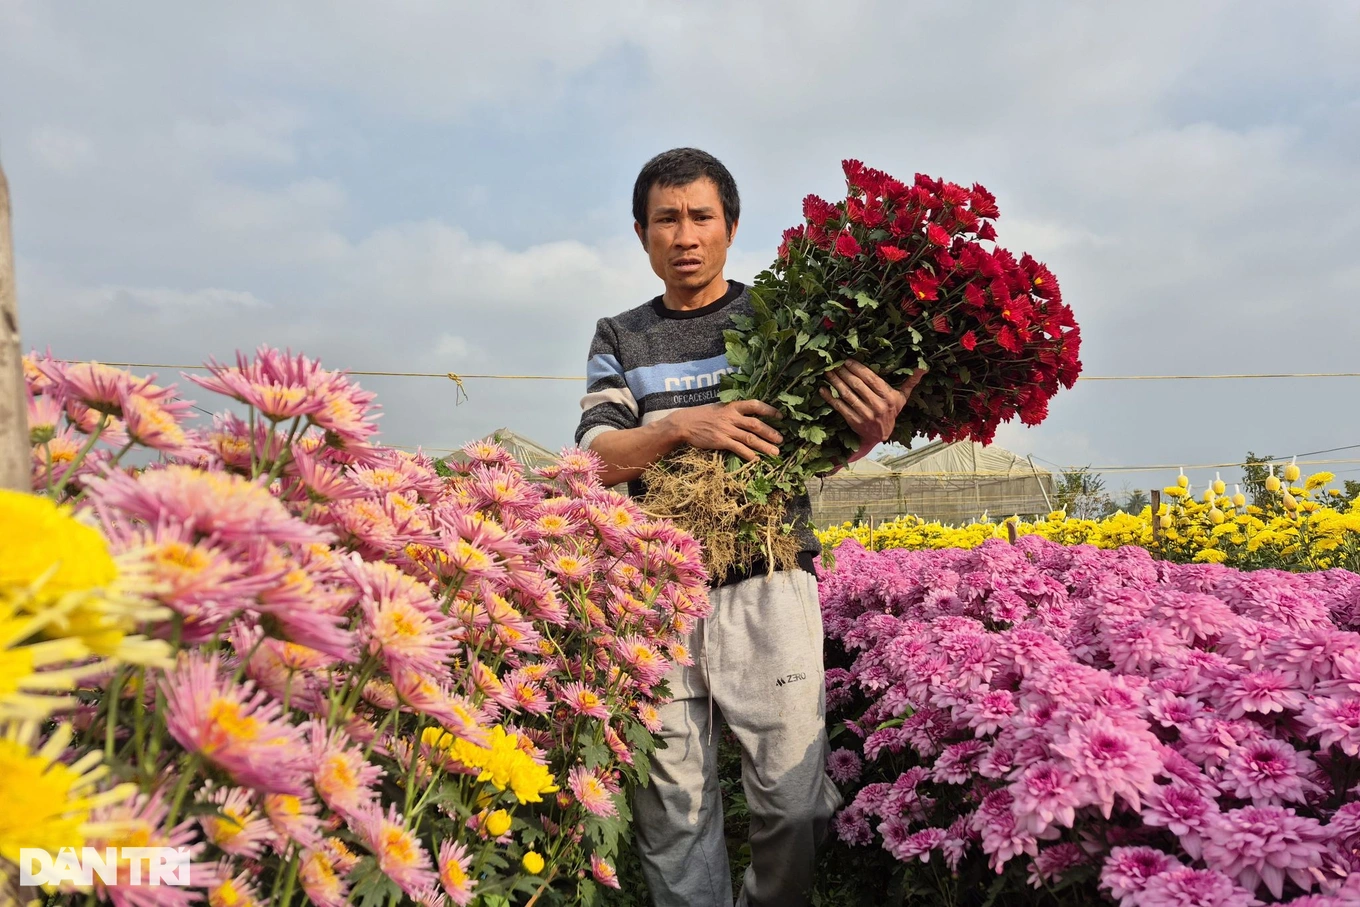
[[1010, 531], [14, 455], [1156, 515]]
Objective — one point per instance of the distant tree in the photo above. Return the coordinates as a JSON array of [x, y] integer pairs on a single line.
[[1350, 490], [1254, 474], [1081, 494], [1135, 501]]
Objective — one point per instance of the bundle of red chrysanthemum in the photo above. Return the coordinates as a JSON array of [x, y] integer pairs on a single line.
[[897, 277]]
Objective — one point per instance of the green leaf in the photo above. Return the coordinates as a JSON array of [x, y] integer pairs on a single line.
[[866, 301], [595, 754], [737, 354], [813, 434], [730, 395], [964, 375], [442, 469], [790, 399]]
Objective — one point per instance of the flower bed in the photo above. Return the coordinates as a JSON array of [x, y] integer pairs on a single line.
[[335, 671], [1050, 723], [1314, 534]]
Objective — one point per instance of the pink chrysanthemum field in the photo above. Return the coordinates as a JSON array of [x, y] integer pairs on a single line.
[[337, 672], [1045, 724]]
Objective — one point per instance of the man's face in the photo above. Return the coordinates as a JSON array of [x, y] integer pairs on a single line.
[[686, 234]]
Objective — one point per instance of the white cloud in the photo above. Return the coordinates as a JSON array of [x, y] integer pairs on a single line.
[[262, 134], [61, 149], [168, 298]]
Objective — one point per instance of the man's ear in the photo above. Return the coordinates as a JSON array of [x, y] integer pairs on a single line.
[[641, 232], [732, 234]]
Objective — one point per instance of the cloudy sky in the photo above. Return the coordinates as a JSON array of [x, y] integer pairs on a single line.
[[444, 186]]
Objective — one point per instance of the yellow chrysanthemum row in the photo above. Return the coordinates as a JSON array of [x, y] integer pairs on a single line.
[[1295, 529]]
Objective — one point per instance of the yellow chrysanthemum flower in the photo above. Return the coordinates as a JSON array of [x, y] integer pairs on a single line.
[[59, 569], [47, 803]]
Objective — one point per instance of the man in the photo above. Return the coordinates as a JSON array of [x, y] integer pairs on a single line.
[[652, 386]]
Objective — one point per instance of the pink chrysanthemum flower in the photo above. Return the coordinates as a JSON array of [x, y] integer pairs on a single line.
[[592, 791], [235, 726], [402, 622], [322, 881], [342, 776], [140, 822], [917, 845], [1045, 795], [1109, 761], [1184, 887], [323, 481], [1048, 867], [399, 853], [1267, 772], [584, 701], [233, 891], [528, 694], [844, 766], [1335, 722], [1181, 810], [487, 452], [1262, 692], [294, 818], [1265, 844], [237, 828], [454, 863], [603, 871], [649, 717], [100, 387], [155, 423], [642, 659], [220, 504], [1127, 870]]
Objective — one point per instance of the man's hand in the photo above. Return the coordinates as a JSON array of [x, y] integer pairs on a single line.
[[736, 427], [869, 404]]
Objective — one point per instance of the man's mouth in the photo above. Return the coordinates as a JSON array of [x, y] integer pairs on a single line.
[[686, 264]]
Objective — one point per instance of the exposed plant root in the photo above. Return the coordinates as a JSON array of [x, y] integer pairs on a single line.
[[693, 489]]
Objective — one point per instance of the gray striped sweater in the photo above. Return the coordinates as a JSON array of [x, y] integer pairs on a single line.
[[650, 361]]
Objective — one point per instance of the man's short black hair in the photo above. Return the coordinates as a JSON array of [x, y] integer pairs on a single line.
[[680, 167]]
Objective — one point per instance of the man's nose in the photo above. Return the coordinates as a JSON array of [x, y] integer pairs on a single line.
[[686, 236]]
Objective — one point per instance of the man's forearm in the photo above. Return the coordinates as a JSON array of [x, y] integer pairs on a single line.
[[628, 452]]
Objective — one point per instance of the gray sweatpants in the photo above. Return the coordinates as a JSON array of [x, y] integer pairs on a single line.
[[760, 658]]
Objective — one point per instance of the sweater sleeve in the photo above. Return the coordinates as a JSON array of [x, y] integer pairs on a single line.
[[608, 405]]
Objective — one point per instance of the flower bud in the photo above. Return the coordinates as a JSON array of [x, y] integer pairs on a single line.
[[498, 823], [1164, 521], [1219, 485], [1289, 502], [1209, 495], [1239, 500], [1272, 483], [1215, 516], [1291, 472], [1182, 480]]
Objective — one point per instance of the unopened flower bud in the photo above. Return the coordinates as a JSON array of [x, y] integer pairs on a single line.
[[1164, 521], [1215, 516], [1209, 495], [1272, 483], [1289, 502], [1182, 480], [1239, 500], [1219, 485], [1291, 472]]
